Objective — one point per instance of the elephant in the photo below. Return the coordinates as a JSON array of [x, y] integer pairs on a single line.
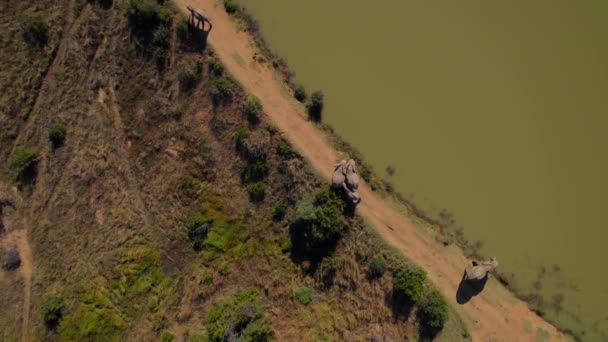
[[352, 178], [480, 270], [345, 178], [339, 175]]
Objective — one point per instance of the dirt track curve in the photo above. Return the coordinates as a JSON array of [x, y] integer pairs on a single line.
[[493, 315]]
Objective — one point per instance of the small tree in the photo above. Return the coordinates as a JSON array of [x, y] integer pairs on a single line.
[[433, 312], [315, 106], [377, 266], [221, 88], [300, 93], [215, 66], [230, 6], [319, 218], [253, 107], [409, 281], [57, 133], [304, 295], [187, 79], [279, 211], [52, 312], [23, 163], [256, 191], [35, 31]]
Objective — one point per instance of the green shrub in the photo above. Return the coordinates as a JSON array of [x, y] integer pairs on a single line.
[[377, 266], [326, 270], [305, 295], [221, 88], [23, 163], [433, 311], [198, 228], [279, 211], [320, 218], [284, 150], [144, 17], [215, 66], [253, 107], [183, 31], [52, 312], [409, 281], [167, 336], [300, 93], [57, 133], [35, 31], [315, 106], [254, 171], [239, 137], [256, 191], [187, 79], [230, 6], [242, 317], [161, 36]]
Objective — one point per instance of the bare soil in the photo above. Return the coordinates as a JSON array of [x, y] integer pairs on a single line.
[[494, 315]]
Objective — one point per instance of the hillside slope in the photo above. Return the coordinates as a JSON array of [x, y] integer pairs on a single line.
[[494, 315]]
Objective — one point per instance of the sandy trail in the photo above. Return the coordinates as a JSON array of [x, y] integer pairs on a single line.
[[494, 315]]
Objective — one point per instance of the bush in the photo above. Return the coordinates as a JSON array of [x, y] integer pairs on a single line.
[[242, 319], [377, 266], [304, 295], [57, 134], [279, 211], [35, 31], [326, 271], [254, 171], [183, 31], [215, 66], [253, 107], [161, 36], [319, 218], [284, 150], [256, 191], [409, 281], [52, 312], [167, 336], [187, 79], [257, 145], [144, 17], [433, 312], [300, 93], [221, 88], [23, 163], [198, 228], [230, 6], [315, 106], [239, 137]]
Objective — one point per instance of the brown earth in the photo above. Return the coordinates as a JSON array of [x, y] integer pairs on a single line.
[[494, 315]]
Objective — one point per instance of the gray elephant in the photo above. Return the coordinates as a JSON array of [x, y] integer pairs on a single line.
[[345, 177], [480, 270]]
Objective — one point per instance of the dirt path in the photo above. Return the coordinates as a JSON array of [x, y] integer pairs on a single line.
[[494, 315]]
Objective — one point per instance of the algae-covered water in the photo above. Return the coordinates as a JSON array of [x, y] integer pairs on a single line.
[[495, 111]]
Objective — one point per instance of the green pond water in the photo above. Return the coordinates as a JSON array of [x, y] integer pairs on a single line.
[[495, 111]]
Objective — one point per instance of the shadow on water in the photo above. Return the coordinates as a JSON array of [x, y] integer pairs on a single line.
[[469, 289]]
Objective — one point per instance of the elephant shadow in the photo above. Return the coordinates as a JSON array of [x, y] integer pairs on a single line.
[[467, 289]]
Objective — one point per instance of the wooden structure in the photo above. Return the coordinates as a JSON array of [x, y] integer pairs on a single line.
[[198, 18]]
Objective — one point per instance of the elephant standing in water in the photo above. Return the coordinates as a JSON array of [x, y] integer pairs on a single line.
[[346, 178], [480, 270]]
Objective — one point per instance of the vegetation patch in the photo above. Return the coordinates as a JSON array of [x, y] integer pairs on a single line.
[[35, 31], [433, 312], [305, 295], [377, 266], [300, 93], [52, 312], [315, 106], [257, 191], [253, 108], [23, 163], [240, 319], [57, 134], [318, 220], [409, 281]]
